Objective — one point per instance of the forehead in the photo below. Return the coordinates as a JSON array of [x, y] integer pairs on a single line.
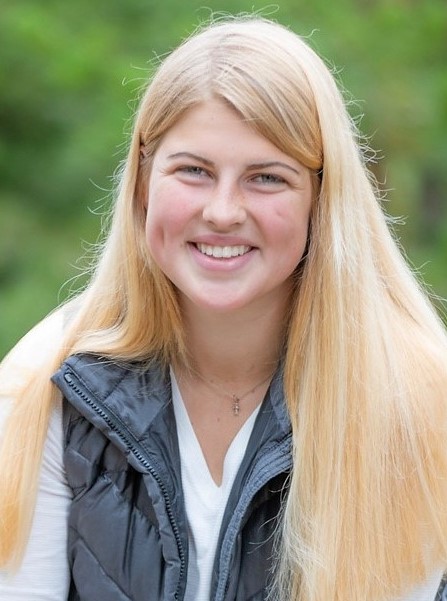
[[214, 126], [206, 115]]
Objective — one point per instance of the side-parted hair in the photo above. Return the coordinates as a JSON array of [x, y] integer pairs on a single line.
[[365, 354]]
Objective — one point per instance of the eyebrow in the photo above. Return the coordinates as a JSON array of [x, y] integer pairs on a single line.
[[251, 167]]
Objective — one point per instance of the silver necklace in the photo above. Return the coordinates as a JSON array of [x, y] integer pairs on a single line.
[[235, 398]]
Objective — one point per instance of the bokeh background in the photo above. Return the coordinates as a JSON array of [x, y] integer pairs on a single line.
[[70, 73]]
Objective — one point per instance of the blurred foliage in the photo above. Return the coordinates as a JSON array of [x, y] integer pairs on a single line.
[[71, 73]]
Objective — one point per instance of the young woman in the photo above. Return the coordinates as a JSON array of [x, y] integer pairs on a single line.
[[248, 399]]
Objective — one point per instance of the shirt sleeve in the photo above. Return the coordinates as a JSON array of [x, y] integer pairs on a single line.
[[427, 590], [44, 573]]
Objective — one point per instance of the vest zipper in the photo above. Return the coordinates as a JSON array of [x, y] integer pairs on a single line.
[[138, 452], [282, 462]]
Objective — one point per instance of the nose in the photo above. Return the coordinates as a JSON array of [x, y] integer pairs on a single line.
[[225, 207]]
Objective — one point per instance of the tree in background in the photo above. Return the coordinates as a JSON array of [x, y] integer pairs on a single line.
[[72, 73]]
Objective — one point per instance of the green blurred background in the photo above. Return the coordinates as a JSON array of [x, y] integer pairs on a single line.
[[70, 74]]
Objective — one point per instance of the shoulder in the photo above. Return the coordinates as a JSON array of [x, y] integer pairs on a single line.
[[36, 346], [30, 354]]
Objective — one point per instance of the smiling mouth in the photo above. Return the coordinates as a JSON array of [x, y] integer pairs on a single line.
[[223, 252]]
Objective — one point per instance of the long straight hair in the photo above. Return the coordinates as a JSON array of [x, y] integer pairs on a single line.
[[365, 363]]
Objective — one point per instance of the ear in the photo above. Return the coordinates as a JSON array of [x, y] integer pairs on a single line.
[[143, 152]]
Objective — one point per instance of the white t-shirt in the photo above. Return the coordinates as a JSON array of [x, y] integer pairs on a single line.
[[44, 574], [205, 501]]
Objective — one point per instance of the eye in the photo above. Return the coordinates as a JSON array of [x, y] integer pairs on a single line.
[[192, 171], [268, 178]]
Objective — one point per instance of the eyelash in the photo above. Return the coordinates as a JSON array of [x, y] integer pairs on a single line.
[[268, 178], [193, 170]]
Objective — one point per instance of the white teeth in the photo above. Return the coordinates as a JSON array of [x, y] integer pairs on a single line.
[[225, 252]]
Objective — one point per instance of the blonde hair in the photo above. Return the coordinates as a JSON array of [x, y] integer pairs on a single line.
[[365, 363]]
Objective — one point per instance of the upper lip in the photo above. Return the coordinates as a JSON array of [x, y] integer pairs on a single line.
[[221, 240]]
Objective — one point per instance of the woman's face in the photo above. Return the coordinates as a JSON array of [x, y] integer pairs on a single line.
[[227, 212]]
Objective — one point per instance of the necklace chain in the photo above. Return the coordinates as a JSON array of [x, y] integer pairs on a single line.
[[235, 398]]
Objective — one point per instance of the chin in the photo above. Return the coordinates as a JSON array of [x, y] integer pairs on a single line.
[[219, 306]]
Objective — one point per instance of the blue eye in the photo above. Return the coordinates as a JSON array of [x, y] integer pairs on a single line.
[[193, 170], [268, 178]]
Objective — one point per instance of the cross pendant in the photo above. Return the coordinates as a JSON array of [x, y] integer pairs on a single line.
[[236, 406]]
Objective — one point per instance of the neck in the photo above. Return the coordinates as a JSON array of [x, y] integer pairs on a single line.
[[240, 347]]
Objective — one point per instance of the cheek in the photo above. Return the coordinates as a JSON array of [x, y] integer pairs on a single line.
[[296, 246], [289, 232], [155, 220], [166, 218], [152, 234], [290, 225]]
